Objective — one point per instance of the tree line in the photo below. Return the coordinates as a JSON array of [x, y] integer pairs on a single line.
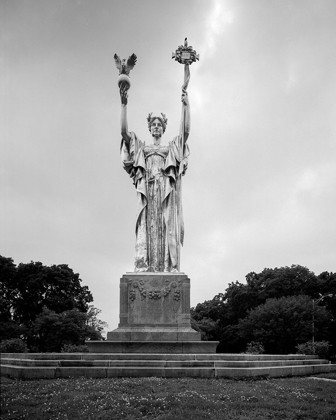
[[278, 308], [47, 308]]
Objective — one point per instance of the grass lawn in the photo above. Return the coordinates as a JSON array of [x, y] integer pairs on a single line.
[[168, 399]]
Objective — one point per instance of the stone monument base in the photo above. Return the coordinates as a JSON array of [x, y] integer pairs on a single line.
[[154, 307], [154, 317]]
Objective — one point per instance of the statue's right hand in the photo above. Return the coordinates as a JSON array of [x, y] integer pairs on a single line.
[[124, 93]]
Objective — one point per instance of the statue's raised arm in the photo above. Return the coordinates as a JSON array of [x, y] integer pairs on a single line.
[[124, 84], [123, 116], [185, 118], [185, 55]]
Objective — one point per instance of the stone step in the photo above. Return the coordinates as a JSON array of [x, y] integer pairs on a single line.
[[275, 371], [158, 356], [38, 372], [107, 363], [102, 365], [268, 363], [157, 363]]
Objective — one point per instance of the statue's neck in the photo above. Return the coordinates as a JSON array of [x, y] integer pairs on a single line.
[[156, 141]]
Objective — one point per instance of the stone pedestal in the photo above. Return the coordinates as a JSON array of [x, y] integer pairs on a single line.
[[154, 318], [154, 307]]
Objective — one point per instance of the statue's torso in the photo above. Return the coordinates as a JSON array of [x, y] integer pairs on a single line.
[[155, 157]]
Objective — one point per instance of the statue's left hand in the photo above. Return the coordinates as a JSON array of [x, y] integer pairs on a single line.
[[123, 93]]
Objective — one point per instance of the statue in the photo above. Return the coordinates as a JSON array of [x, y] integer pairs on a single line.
[[156, 171]]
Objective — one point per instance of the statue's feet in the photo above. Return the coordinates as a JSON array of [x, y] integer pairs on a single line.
[[172, 270], [140, 265], [140, 269]]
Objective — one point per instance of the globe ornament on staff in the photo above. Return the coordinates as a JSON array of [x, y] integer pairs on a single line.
[[124, 67]]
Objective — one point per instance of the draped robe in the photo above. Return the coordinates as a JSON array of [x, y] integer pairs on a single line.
[[156, 172]]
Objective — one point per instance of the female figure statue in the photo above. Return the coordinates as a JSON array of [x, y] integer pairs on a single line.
[[156, 171]]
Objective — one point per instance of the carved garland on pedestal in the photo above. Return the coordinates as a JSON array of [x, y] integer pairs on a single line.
[[154, 293]]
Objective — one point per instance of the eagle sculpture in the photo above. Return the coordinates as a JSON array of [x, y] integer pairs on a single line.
[[123, 66]]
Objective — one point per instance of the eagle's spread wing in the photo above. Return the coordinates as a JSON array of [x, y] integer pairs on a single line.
[[118, 62], [131, 61]]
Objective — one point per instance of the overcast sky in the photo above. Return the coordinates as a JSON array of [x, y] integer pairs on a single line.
[[260, 190]]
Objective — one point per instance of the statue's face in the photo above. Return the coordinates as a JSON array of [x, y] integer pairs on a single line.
[[156, 128]]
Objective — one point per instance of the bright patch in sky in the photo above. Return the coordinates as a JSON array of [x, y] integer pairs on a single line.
[[216, 22]]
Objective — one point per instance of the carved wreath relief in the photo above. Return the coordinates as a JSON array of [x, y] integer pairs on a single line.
[[154, 293]]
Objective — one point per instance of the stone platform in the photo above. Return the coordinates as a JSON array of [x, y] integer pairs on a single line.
[[69, 365]]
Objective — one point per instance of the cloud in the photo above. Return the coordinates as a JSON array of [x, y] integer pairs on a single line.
[[307, 180], [218, 19]]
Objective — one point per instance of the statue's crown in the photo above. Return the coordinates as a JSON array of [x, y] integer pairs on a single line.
[[163, 120]]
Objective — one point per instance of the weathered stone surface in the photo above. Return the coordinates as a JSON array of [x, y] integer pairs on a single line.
[[154, 307], [153, 334], [23, 372], [206, 347], [105, 346], [266, 363], [154, 299], [29, 362], [155, 347]]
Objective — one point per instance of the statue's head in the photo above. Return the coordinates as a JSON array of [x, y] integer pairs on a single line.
[[163, 120]]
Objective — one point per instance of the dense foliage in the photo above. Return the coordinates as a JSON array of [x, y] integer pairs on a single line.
[[46, 307], [321, 348], [274, 308], [13, 345]]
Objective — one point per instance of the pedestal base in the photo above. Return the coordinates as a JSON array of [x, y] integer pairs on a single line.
[[154, 307], [153, 334], [154, 318]]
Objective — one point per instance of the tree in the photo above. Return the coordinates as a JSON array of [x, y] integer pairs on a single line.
[[283, 281], [53, 330], [270, 283], [93, 321], [208, 309], [56, 287], [281, 324], [327, 286], [34, 295], [8, 327], [207, 327], [220, 318], [206, 318]]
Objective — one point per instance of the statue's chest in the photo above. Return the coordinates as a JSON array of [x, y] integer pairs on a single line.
[[161, 151], [155, 159]]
